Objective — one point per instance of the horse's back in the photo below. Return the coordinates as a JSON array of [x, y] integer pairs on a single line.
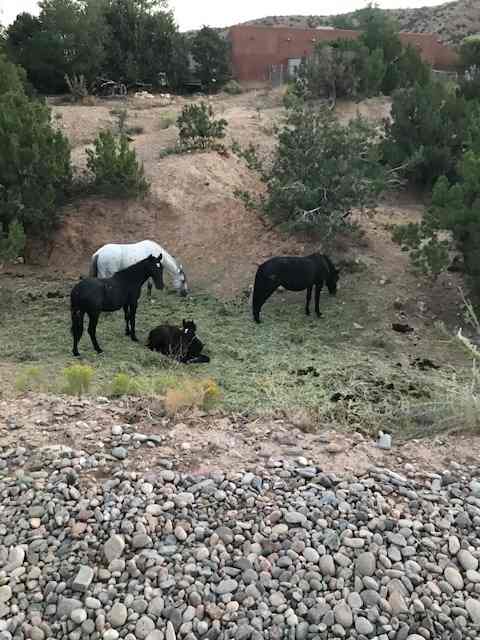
[[86, 294], [160, 337], [294, 273], [114, 257]]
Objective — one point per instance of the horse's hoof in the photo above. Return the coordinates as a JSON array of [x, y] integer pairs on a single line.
[[76, 354], [99, 351], [134, 338]]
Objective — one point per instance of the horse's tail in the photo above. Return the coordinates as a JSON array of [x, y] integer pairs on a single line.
[[77, 322], [93, 273], [261, 291]]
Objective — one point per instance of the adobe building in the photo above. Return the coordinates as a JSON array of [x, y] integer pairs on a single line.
[[255, 49]]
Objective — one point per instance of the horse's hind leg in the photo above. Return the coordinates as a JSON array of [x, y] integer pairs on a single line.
[[307, 302], [92, 331], [149, 289], [77, 330], [126, 313], [318, 288]]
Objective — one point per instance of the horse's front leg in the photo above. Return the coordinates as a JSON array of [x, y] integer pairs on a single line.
[[318, 288], [307, 302], [133, 313], [92, 331], [126, 313], [149, 289]]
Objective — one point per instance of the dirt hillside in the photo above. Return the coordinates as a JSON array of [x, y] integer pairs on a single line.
[[192, 210]]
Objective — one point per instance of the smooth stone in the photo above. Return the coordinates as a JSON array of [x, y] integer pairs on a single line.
[[78, 616], [143, 627], [83, 579], [365, 564], [397, 603], [473, 608], [117, 616], [120, 453], [326, 565], [454, 577], [227, 586], [114, 547], [363, 626], [311, 555], [467, 561], [343, 615]]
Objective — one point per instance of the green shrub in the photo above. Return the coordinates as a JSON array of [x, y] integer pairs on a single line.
[[233, 88], [470, 52], [197, 127], [426, 132], [78, 378], [35, 168], [336, 70], [115, 168], [12, 77], [31, 379], [123, 385], [12, 244], [455, 208], [249, 154], [167, 120], [322, 172]]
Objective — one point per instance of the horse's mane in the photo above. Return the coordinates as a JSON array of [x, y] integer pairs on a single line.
[[327, 263], [168, 261]]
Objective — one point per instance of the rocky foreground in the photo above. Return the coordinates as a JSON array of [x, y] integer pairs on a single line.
[[287, 552]]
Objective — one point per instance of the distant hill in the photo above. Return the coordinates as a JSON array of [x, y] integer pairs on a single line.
[[452, 21]]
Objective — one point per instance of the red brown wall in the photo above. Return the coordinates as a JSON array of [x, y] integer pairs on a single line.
[[254, 48]]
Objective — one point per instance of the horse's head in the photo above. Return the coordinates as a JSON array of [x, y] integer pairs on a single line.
[[332, 279], [155, 270], [180, 281], [189, 329]]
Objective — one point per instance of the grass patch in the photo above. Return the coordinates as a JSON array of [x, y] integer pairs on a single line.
[[333, 372], [167, 120]]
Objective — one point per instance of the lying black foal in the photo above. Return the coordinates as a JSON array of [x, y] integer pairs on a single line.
[[181, 344]]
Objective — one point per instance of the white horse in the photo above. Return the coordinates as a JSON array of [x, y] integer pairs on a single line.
[[113, 257]]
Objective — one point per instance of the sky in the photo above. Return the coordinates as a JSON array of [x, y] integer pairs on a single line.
[[192, 14]]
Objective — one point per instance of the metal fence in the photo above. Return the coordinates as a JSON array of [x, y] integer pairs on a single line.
[[280, 74], [445, 76]]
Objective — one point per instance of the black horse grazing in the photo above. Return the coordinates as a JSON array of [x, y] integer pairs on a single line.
[[179, 343], [294, 274], [93, 295]]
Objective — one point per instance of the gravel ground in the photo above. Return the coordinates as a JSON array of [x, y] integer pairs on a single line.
[[286, 552]]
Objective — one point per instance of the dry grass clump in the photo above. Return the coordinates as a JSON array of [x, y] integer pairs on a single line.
[[192, 393]]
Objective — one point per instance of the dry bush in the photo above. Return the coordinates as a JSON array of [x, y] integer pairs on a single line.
[[191, 393]]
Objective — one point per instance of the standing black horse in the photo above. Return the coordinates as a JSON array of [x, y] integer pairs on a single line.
[[93, 295], [294, 274]]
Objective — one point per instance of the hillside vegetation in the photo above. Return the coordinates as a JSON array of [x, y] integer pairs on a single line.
[[452, 21]]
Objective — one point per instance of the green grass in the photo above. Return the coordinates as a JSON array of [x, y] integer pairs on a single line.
[[256, 366]]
